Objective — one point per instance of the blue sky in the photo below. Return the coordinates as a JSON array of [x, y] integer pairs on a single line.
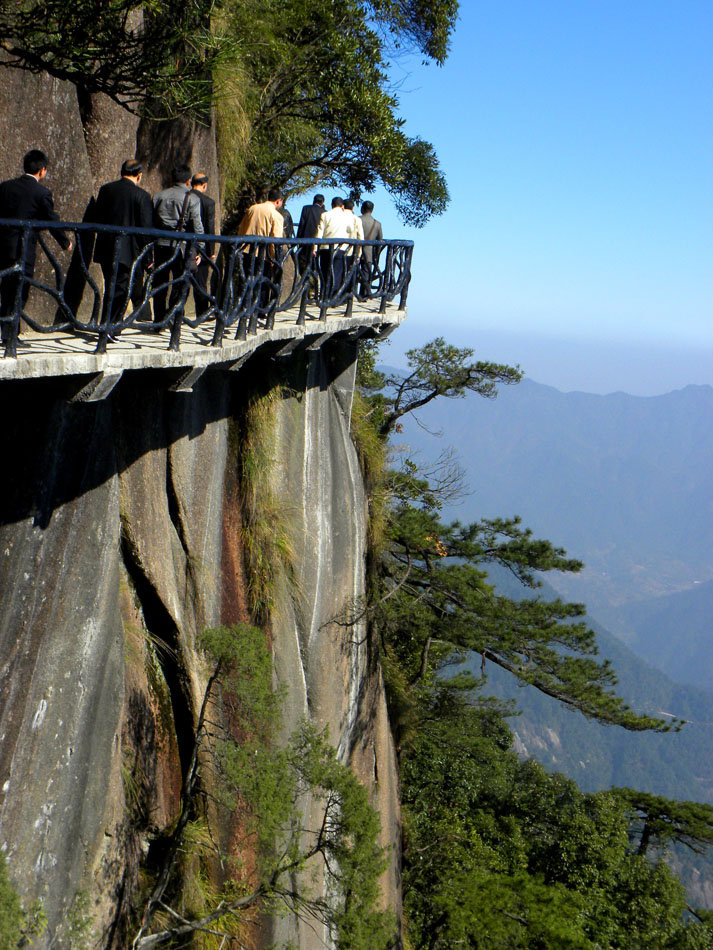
[[577, 139]]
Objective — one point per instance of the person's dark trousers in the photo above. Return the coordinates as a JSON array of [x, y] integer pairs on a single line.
[[332, 269], [257, 267], [350, 268], [121, 293], [306, 256], [200, 288], [8, 293], [365, 274], [165, 270]]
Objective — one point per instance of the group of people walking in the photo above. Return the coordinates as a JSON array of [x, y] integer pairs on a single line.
[[341, 222], [183, 207], [270, 218]]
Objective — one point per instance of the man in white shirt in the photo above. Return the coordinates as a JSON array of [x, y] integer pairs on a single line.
[[332, 257], [356, 229]]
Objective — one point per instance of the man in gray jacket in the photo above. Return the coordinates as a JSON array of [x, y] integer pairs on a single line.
[[372, 232], [174, 209]]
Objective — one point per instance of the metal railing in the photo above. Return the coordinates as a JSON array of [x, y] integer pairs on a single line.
[[240, 289]]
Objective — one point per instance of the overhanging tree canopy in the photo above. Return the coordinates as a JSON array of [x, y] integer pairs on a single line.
[[307, 80]]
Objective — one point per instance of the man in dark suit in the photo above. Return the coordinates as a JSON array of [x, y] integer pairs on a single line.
[[309, 219], [307, 228], [176, 208], [125, 204], [24, 198], [199, 184]]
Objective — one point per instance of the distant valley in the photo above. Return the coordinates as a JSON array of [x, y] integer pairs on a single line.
[[622, 482]]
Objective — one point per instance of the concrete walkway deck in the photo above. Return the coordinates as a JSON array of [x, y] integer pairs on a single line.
[[70, 354]]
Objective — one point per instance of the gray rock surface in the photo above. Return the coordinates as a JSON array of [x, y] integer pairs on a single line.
[[61, 642], [320, 638], [120, 540]]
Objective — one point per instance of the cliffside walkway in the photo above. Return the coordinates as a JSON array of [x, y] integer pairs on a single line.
[[260, 291]]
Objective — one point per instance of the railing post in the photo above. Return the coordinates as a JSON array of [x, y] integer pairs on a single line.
[[388, 278], [303, 305], [407, 257]]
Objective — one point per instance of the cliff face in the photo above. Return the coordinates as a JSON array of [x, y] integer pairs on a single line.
[[121, 539]]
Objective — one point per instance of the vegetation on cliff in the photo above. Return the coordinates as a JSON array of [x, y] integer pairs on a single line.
[[498, 853], [254, 818]]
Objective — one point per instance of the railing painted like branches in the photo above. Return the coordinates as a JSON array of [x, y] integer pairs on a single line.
[[238, 289]]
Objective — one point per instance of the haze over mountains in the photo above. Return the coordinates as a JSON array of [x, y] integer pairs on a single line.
[[622, 482]]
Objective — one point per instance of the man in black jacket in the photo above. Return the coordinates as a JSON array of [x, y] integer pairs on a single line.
[[125, 204], [309, 219], [307, 228], [24, 199], [199, 184]]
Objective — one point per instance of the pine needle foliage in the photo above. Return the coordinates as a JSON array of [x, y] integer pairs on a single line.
[[11, 915], [432, 601], [19, 926], [497, 853]]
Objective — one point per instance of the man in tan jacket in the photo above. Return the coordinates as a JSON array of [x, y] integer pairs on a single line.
[[262, 219]]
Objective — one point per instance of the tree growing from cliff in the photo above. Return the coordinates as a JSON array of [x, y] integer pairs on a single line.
[[656, 822], [497, 853], [500, 854], [322, 111], [433, 601], [436, 369], [238, 769]]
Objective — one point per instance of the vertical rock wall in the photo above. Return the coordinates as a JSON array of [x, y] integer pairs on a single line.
[[321, 648], [119, 542], [112, 540]]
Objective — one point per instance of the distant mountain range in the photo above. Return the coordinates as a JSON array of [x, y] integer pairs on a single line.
[[625, 483], [674, 632]]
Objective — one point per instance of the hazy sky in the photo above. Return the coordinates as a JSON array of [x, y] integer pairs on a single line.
[[577, 139]]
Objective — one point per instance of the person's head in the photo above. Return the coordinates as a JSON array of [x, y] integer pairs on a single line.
[[199, 181], [318, 200], [181, 175], [337, 202], [132, 169], [348, 204], [275, 196], [367, 207], [35, 163]]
